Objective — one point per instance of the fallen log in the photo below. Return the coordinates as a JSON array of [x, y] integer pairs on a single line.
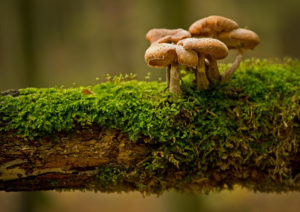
[[134, 136]]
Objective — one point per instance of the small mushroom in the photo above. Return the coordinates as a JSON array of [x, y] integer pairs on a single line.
[[211, 26], [155, 36], [164, 55], [166, 35], [239, 39], [205, 47]]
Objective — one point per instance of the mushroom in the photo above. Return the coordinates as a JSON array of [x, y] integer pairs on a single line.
[[239, 39], [155, 36], [164, 55], [205, 47], [166, 35], [212, 26]]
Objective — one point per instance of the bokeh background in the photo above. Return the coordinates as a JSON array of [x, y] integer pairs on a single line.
[[72, 42]]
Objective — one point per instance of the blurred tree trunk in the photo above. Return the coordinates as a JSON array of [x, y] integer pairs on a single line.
[[173, 13], [28, 200], [26, 17]]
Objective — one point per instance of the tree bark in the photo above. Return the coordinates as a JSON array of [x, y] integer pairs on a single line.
[[69, 163], [73, 163]]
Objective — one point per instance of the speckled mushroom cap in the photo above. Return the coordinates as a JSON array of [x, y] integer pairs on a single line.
[[240, 38], [211, 26], [164, 54], [206, 46], [167, 35], [160, 55], [186, 57]]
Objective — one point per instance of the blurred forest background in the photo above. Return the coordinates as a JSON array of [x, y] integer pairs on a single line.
[[52, 42], [61, 42]]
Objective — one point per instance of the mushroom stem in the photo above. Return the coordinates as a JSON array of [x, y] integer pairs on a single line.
[[213, 73], [202, 81], [168, 76], [196, 78], [230, 71], [175, 80]]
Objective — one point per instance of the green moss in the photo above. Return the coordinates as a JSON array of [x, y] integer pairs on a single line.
[[109, 176], [250, 121]]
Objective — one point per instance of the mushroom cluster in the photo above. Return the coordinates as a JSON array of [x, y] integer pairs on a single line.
[[207, 41]]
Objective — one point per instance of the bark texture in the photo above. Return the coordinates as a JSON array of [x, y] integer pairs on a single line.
[[69, 163], [73, 163]]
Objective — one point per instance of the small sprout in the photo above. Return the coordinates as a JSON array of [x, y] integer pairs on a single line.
[[159, 79], [147, 78], [126, 77], [132, 76], [97, 78], [108, 77], [120, 78]]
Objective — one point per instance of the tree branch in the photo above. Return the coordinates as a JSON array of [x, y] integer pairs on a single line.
[[87, 162], [134, 136]]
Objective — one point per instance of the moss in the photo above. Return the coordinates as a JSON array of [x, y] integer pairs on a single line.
[[109, 176], [252, 121]]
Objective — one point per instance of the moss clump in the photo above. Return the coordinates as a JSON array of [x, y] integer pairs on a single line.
[[244, 128], [109, 176]]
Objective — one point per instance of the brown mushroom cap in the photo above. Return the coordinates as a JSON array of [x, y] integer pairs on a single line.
[[206, 46], [212, 25], [167, 35], [164, 54], [186, 57], [240, 38], [160, 55]]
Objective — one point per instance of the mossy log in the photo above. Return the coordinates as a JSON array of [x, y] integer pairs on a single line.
[[135, 136]]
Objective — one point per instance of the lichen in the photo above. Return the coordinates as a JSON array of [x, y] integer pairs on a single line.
[[247, 127]]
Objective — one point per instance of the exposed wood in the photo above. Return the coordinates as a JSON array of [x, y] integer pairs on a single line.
[[71, 161]]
